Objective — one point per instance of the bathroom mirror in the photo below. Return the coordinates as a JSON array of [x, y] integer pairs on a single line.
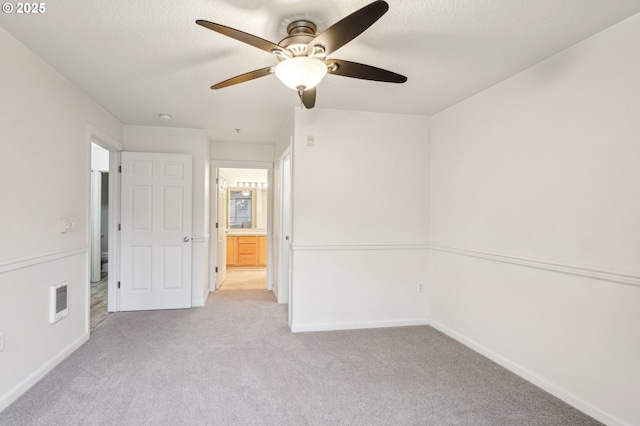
[[247, 208]]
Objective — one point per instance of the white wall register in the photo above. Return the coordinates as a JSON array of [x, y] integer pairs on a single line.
[[58, 302]]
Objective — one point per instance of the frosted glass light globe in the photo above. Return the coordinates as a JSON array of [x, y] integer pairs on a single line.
[[301, 72]]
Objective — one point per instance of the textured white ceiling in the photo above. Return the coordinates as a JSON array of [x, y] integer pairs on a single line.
[[140, 59]]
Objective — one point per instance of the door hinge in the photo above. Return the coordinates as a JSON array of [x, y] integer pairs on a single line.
[[216, 225], [216, 269], [119, 227], [118, 284], [119, 169], [217, 181]]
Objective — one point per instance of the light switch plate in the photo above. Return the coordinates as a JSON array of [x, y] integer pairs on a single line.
[[67, 224]]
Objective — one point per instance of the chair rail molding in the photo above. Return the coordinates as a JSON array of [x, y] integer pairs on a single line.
[[202, 239], [355, 247], [620, 277], [24, 262]]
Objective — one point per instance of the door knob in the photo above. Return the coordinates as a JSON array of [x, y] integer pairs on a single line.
[[186, 239]]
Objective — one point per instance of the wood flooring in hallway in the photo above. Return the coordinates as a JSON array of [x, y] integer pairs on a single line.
[[99, 301], [245, 278]]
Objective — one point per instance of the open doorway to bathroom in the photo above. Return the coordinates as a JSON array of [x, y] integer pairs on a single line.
[[242, 228], [99, 223]]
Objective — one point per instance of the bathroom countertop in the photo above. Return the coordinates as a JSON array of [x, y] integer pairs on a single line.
[[236, 233]]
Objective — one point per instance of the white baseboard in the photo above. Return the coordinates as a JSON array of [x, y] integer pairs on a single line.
[[198, 303], [532, 377], [31, 380], [297, 328]]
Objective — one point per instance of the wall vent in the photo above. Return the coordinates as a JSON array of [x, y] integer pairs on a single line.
[[58, 297]]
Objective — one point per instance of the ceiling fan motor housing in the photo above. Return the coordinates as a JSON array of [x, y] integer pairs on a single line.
[[301, 33]]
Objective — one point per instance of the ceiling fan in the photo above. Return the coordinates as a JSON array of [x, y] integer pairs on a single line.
[[302, 54]]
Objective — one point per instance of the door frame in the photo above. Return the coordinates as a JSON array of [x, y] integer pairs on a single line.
[[97, 136], [284, 236], [222, 242], [213, 242]]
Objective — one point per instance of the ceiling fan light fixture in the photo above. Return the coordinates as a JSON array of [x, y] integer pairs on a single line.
[[301, 72], [302, 54]]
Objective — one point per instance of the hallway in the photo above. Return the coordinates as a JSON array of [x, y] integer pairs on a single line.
[[245, 278]]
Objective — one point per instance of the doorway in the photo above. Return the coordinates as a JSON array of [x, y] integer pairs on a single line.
[[99, 236], [108, 151], [242, 221]]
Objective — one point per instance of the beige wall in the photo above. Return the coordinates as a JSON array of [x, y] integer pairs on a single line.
[[44, 176], [360, 219], [535, 223]]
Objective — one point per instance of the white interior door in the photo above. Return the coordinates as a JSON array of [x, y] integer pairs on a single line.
[[222, 230], [155, 231]]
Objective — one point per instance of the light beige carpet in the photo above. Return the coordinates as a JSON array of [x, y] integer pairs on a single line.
[[245, 278], [235, 362]]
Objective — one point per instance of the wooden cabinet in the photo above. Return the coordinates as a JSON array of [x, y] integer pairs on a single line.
[[232, 251], [246, 250], [262, 251]]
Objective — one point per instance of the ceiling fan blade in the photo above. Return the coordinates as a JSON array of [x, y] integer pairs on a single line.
[[263, 72], [345, 30], [308, 98], [247, 38], [364, 72]]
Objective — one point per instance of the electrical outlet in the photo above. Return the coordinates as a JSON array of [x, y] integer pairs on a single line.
[[1, 341], [420, 287]]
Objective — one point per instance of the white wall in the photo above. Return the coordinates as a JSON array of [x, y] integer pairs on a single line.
[[244, 175], [360, 219], [241, 152], [44, 176], [194, 142], [535, 223]]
